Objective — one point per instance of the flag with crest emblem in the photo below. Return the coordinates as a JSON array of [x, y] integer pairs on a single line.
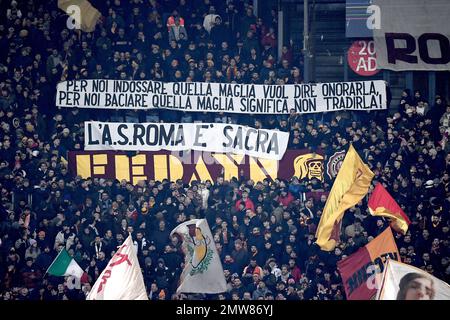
[[203, 272]]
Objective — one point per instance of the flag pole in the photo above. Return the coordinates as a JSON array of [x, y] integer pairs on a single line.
[[380, 291]]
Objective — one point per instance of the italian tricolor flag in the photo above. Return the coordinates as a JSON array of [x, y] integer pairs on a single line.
[[65, 265]]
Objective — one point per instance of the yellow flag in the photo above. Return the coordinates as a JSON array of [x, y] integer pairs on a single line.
[[351, 185], [82, 11]]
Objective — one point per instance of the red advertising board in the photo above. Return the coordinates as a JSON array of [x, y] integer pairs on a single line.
[[362, 58]]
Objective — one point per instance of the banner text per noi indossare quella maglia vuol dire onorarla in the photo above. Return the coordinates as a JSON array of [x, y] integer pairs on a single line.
[[222, 97]]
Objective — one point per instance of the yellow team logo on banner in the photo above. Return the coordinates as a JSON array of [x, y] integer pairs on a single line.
[[308, 166]]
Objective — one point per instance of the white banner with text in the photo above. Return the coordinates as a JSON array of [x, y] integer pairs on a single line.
[[222, 97], [211, 137]]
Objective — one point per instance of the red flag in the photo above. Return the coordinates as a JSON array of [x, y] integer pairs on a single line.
[[382, 204], [361, 270]]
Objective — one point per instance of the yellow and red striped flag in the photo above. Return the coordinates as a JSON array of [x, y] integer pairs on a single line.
[[382, 204]]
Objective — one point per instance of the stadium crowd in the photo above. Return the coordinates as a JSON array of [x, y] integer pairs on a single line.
[[263, 231]]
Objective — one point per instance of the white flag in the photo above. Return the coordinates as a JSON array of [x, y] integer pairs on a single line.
[[203, 271], [405, 282], [122, 278]]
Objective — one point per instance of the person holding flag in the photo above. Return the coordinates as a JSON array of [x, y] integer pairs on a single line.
[[351, 185], [122, 278], [203, 272], [64, 265]]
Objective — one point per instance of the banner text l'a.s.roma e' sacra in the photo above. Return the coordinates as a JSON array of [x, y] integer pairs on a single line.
[[211, 137]]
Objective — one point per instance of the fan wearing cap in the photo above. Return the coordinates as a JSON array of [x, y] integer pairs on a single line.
[[84, 73], [429, 184]]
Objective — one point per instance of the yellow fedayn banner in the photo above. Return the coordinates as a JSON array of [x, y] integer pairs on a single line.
[[189, 166], [86, 14], [351, 185]]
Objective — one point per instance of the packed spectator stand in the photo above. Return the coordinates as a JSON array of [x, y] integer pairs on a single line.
[[264, 231]]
